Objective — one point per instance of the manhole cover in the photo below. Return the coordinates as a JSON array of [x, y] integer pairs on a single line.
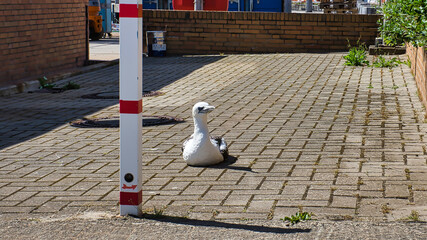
[[113, 122], [115, 95]]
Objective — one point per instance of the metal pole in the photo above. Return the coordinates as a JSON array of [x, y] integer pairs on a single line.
[[288, 6], [309, 6], [198, 5], [131, 107]]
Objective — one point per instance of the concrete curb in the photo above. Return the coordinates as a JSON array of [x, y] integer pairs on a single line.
[[34, 84]]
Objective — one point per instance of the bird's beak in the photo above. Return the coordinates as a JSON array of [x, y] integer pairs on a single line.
[[207, 109]]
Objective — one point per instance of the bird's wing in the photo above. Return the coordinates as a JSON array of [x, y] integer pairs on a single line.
[[186, 142], [221, 144]]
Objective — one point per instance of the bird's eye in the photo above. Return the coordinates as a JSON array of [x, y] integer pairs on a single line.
[[200, 109]]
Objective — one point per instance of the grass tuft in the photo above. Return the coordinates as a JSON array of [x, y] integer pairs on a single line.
[[298, 217], [381, 62]]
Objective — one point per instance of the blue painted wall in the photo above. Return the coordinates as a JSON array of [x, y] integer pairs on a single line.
[[267, 5], [257, 6], [152, 4], [149, 4]]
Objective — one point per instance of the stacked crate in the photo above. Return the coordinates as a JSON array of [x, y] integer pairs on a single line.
[[338, 6]]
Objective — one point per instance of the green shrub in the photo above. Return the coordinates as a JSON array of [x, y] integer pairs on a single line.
[[404, 21]]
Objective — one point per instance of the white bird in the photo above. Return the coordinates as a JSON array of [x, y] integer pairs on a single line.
[[201, 149]]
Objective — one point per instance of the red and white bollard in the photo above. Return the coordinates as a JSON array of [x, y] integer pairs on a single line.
[[130, 107]]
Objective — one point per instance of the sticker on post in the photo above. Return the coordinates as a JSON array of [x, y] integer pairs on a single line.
[[159, 47], [129, 187]]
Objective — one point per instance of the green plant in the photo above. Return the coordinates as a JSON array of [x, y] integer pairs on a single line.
[[44, 84], [404, 21], [356, 56], [298, 217], [414, 216], [158, 212], [71, 85], [370, 85], [382, 62], [385, 208], [408, 62]]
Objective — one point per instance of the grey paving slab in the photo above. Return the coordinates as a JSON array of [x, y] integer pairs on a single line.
[[308, 133]]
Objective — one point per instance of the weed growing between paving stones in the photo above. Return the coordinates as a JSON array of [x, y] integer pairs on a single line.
[[385, 208], [381, 62], [71, 85], [408, 62], [414, 216], [356, 56], [44, 84], [298, 217]]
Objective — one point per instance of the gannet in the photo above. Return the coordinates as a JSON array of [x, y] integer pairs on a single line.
[[201, 149]]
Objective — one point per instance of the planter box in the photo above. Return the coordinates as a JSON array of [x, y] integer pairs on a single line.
[[387, 50]]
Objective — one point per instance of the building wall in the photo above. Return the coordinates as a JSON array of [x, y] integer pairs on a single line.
[[418, 57], [190, 32], [40, 36]]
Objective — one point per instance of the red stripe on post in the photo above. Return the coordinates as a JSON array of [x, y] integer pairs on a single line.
[[130, 10], [132, 107], [131, 198]]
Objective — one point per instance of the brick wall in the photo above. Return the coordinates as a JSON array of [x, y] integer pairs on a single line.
[[40, 36], [190, 32], [418, 57]]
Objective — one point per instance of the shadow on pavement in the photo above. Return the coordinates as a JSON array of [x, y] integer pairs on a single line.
[[228, 164], [209, 223], [28, 115], [162, 71]]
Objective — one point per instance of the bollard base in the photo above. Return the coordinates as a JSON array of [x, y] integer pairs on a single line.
[[131, 210]]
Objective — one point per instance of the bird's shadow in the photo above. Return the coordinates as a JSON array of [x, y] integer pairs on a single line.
[[227, 163]]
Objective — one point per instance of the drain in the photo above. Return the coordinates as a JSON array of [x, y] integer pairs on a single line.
[[115, 95], [114, 122]]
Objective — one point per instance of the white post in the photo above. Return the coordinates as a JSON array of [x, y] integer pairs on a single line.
[[130, 107]]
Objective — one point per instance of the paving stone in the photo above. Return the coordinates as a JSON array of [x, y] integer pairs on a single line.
[[35, 201], [238, 200], [344, 202], [396, 191], [51, 207]]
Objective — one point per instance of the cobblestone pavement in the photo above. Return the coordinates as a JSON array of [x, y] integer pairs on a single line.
[[308, 132]]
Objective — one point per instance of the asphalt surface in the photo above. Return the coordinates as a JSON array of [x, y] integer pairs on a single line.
[[98, 225]]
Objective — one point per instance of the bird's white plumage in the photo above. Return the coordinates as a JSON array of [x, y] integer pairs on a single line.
[[201, 149]]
